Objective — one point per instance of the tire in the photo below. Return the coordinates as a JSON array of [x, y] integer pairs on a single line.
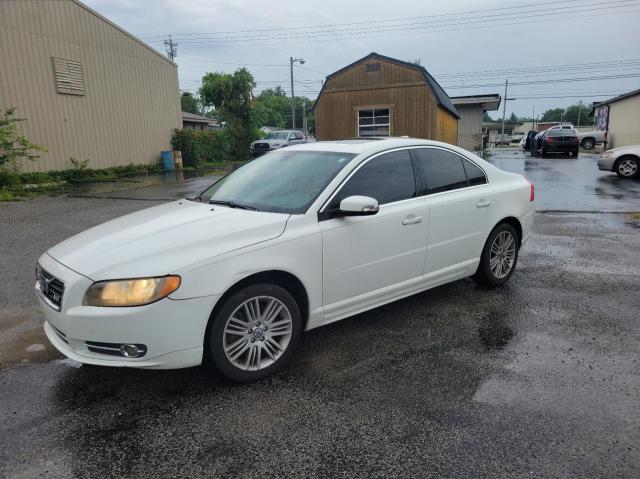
[[488, 276], [543, 153], [627, 167], [588, 143], [242, 343]]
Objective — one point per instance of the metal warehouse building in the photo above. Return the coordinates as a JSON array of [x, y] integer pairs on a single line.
[[87, 88]]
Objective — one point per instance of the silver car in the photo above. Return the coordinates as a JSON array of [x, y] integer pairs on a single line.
[[624, 161], [277, 139]]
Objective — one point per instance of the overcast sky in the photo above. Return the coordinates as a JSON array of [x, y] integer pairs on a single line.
[[469, 46]]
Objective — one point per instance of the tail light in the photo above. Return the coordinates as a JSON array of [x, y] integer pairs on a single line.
[[549, 140], [576, 140], [532, 190]]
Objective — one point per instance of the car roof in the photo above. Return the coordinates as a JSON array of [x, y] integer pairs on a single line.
[[370, 145]]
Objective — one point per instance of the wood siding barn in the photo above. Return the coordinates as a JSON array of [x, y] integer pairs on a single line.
[[87, 88], [382, 96]]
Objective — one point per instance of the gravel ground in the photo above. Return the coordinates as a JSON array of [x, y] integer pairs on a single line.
[[540, 378]]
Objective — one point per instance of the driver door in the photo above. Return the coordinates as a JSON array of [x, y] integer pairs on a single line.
[[362, 254]]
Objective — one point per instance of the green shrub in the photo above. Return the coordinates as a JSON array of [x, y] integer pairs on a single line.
[[200, 147]]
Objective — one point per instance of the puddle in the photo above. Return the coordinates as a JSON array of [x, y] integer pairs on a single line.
[[494, 332], [30, 346]]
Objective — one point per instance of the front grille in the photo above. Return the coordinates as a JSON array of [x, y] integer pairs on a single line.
[[115, 349], [261, 146], [51, 288]]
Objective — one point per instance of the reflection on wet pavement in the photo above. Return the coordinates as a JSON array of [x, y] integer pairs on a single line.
[[571, 184]]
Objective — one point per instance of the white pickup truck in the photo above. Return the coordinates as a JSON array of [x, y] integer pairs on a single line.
[[589, 139]]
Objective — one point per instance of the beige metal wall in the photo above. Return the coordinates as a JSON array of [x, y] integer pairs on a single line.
[[624, 122], [470, 126], [131, 103]]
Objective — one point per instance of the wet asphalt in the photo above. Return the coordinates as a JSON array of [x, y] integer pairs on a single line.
[[540, 378]]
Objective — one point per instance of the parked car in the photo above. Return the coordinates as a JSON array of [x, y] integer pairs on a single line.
[[517, 137], [275, 140], [625, 161], [296, 239], [589, 139], [502, 139], [558, 140]]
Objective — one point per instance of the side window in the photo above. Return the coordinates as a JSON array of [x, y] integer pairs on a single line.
[[387, 178], [292, 136], [475, 175], [299, 136], [442, 169]]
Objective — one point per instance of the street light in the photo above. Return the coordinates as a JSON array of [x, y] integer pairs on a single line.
[[293, 97]]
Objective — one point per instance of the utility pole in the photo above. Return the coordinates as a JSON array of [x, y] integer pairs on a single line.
[[533, 118], [293, 97], [172, 48], [304, 118], [504, 109], [579, 111]]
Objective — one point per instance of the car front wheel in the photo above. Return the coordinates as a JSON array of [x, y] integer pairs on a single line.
[[255, 332], [627, 167], [499, 256]]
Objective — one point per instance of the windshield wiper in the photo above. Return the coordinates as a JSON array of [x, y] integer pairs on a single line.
[[232, 204]]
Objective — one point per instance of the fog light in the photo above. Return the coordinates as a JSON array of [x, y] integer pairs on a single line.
[[131, 351]]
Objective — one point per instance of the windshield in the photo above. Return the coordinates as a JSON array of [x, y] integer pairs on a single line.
[[278, 182], [277, 135]]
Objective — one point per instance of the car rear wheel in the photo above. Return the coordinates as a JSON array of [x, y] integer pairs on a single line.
[[255, 333], [499, 256], [627, 167], [588, 143]]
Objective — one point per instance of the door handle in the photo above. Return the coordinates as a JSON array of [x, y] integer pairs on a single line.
[[483, 203], [411, 220]]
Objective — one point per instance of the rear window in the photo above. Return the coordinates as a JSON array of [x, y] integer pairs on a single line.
[[562, 132]]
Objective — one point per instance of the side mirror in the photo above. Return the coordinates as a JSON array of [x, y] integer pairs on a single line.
[[358, 206]]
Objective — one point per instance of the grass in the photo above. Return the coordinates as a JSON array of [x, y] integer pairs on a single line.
[[15, 185]]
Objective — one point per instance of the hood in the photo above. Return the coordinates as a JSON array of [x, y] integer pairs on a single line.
[[165, 238], [271, 142], [633, 148]]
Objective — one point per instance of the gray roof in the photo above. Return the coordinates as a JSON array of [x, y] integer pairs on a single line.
[[441, 97], [489, 102], [617, 98], [193, 118]]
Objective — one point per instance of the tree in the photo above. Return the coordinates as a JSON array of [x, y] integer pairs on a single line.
[[13, 145], [487, 118], [555, 114], [513, 118], [572, 113], [273, 108], [230, 94], [189, 103]]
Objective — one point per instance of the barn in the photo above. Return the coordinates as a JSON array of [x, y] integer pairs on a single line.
[[383, 96]]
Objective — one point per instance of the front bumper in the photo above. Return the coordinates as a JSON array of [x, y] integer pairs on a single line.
[[172, 330], [606, 164]]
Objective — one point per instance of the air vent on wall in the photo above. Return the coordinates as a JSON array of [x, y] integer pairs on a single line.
[[373, 67], [69, 76]]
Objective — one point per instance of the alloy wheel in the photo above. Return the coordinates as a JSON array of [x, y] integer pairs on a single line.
[[628, 167], [502, 254], [257, 333]]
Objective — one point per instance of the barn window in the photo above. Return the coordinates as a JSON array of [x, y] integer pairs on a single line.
[[69, 76], [374, 122]]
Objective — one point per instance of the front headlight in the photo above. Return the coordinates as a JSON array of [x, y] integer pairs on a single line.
[[130, 292]]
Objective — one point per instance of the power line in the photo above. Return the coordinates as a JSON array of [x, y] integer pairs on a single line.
[[370, 22], [357, 33], [555, 80]]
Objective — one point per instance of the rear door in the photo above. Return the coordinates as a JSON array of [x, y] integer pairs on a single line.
[[459, 201], [362, 254]]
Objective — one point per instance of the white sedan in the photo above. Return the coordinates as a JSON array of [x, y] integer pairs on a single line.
[[294, 240]]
